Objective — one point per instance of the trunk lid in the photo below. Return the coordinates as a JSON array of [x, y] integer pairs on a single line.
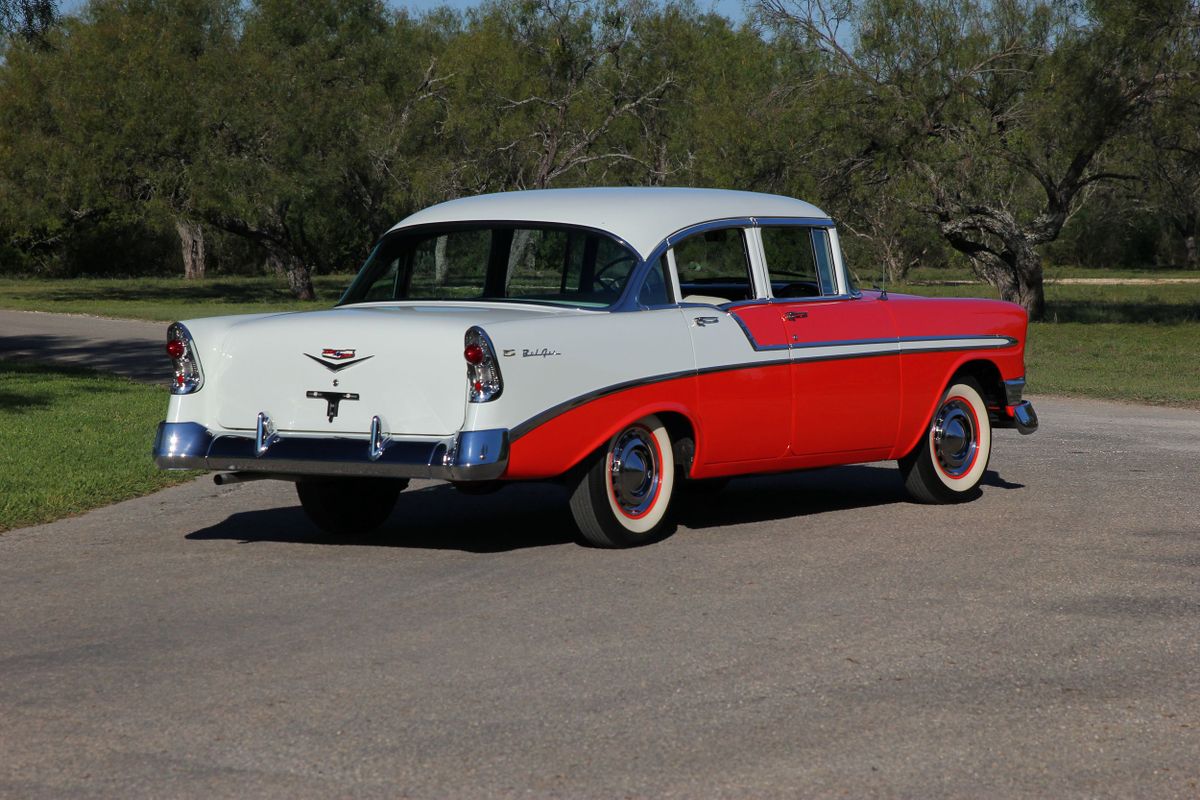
[[402, 363]]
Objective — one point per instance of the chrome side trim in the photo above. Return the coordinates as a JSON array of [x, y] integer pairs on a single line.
[[467, 456], [1013, 390]]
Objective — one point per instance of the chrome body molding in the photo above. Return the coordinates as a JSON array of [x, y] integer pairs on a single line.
[[466, 456]]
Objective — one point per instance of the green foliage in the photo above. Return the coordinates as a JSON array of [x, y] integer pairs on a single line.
[[289, 135]]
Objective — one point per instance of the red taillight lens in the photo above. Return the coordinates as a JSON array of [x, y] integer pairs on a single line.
[[483, 373], [473, 354], [175, 348]]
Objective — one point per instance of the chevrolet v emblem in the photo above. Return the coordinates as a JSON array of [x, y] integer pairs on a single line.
[[332, 399], [335, 359]]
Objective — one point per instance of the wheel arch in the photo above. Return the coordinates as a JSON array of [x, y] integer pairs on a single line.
[[983, 371]]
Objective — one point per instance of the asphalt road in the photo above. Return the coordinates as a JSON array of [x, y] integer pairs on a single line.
[[126, 347], [808, 635]]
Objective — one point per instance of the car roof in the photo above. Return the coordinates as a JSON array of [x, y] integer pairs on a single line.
[[641, 216]]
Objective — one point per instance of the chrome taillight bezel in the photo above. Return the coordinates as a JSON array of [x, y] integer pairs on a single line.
[[189, 376], [484, 381]]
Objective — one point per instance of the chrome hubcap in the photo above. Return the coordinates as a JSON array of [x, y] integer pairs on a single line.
[[635, 471], [955, 440]]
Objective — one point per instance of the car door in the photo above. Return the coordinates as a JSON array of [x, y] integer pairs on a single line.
[[845, 364], [742, 356]]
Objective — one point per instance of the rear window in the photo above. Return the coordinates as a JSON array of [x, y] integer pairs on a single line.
[[496, 262]]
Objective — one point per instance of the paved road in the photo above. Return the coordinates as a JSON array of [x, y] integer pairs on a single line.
[[810, 635], [126, 347]]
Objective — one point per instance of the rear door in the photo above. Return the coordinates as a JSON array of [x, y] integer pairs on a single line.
[[742, 359]]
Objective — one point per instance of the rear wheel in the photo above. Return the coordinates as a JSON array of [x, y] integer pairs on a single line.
[[349, 506], [621, 500], [948, 463]]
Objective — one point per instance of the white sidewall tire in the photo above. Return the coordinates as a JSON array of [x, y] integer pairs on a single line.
[[971, 478], [649, 520]]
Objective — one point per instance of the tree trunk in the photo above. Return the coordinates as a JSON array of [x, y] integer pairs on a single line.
[[299, 277], [1017, 275], [191, 241], [1191, 258], [440, 264]]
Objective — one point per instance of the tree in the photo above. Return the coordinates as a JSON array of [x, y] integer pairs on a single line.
[[29, 19], [1003, 109]]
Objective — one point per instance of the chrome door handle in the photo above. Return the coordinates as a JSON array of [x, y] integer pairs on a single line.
[[702, 321], [792, 316]]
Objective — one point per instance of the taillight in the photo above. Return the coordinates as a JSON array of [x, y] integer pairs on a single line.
[[483, 373], [182, 351]]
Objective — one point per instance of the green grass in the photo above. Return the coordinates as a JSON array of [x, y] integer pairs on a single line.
[[72, 439], [164, 299]]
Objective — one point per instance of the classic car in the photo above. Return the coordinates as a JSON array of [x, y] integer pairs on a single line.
[[627, 341]]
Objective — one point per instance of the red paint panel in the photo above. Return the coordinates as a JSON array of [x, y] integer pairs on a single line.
[[765, 323], [561, 443], [745, 414], [844, 404]]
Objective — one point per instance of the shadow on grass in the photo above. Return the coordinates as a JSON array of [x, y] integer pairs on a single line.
[[1132, 312], [135, 358], [14, 399], [523, 516]]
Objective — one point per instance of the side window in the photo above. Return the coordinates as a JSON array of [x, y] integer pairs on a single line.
[[714, 267], [798, 261], [656, 289]]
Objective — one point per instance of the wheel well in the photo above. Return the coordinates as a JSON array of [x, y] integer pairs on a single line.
[[683, 438], [987, 375]]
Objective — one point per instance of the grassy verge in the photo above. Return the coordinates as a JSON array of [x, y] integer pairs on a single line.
[[72, 439], [164, 299]]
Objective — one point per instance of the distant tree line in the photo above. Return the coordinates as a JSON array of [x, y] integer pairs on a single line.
[[149, 136]]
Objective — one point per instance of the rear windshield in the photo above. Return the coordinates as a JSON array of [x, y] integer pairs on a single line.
[[557, 264]]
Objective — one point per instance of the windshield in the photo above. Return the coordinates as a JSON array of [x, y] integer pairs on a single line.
[[550, 264]]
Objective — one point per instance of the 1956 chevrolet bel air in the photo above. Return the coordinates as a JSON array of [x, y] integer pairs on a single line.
[[623, 340]]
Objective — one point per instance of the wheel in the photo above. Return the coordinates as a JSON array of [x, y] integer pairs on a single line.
[[349, 506], [948, 463], [621, 498]]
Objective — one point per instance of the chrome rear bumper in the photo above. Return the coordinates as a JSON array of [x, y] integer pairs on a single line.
[[466, 456]]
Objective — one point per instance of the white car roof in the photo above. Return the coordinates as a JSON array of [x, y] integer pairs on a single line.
[[642, 216]]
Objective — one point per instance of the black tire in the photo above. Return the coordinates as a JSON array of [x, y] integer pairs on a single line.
[[948, 463], [349, 506], [621, 498]]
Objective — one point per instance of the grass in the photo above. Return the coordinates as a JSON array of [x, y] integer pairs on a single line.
[[164, 299], [1136, 343], [72, 439]]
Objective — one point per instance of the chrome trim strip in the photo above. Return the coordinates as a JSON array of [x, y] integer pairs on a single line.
[[467, 456]]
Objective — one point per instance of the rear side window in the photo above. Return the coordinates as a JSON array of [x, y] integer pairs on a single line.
[[799, 261], [714, 267], [656, 289]]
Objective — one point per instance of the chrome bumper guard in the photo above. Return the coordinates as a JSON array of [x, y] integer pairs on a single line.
[[467, 456]]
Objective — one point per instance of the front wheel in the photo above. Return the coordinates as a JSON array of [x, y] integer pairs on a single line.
[[947, 465], [621, 499], [349, 506]]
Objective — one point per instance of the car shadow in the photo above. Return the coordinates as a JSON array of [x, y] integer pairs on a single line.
[[523, 516]]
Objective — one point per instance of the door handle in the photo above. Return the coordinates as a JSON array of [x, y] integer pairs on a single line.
[[702, 321], [792, 316]]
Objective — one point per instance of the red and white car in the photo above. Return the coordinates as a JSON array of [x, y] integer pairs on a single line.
[[622, 340]]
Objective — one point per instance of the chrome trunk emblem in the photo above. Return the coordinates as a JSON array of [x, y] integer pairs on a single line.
[[335, 359]]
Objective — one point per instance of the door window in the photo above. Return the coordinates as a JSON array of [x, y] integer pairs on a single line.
[[799, 262], [714, 267]]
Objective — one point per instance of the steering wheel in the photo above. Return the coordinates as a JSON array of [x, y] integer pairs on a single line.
[[610, 282]]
